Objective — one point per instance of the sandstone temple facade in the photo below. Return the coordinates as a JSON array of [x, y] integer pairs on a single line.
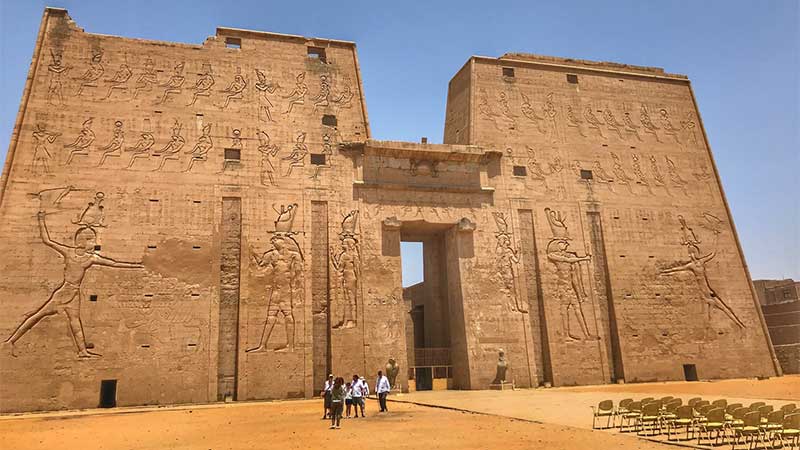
[[197, 223]]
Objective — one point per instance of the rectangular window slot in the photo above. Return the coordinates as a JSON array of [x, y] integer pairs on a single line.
[[199, 115], [635, 335], [191, 345], [317, 53], [644, 218], [195, 247], [508, 72], [196, 202], [158, 112], [690, 372], [148, 295], [151, 247], [235, 43], [664, 333], [586, 174], [329, 120], [195, 295], [93, 297], [633, 147], [233, 154], [154, 200], [658, 295], [318, 159], [145, 346], [651, 256], [605, 145], [572, 78], [621, 256], [616, 217], [108, 393], [520, 171], [628, 295], [97, 248]]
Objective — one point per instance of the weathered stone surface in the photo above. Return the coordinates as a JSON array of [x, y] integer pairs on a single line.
[[202, 222]]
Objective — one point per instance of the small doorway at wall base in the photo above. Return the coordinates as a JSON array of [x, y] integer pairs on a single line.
[[690, 372], [108, 393]]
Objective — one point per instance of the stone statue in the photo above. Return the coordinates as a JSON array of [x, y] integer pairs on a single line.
[[502, 368], [392, 369]]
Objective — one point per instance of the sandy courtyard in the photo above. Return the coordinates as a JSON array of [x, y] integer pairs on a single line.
[[506, 422]]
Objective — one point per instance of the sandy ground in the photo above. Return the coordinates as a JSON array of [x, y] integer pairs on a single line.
[[295, 425], [505, 421]]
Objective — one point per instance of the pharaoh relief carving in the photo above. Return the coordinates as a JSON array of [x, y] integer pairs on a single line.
[[298, 94], [344, 97], [265, 88], [202, 87], [695, 268], [41, 155], [298, 155], [200, 150], [78, 257], [507, 263], [80, 146], [171, 151], [282, 267], [620, 175], [92, 73], [174, 84], [55, 89], [142, 147], [667, 127], [323, 97], [592, 122], [114, 148], [569, 272], [235, 90], [268, 153], [347, 264], [119, 82], [689, 129], [529, 111], [146, 80], [647, 124]]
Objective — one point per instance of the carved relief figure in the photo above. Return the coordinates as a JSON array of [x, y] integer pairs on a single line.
[[172, 150], [483, 105], [666, 125], [571, 291], [638, 173], [502, 368], [630, 127], [323, 98], [348, 265], [506, 261], [574, 121], [66, 299], [345, 95], [696, 266], [702, 174], [268, 151], [81, 144], [601, 176], [551, 124], [174, 83], [93, 73], [283, 267], [119, 80], [392, 370], [142, 147], [530, 112], [114, 148], [656, 171], [41, 156], [298, 94], [674, 176], [689, 128], [592, 121], [200, 150], [611, 122], [202, 87], [299, 152], [55, 88], [647, 123], [264, 87], [235, 89], [147, 79], [505, 110], [619, 173]]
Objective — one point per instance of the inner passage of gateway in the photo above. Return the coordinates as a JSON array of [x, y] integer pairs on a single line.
[[428, 339]]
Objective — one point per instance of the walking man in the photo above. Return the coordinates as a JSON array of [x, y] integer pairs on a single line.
[[382, 387], [326, 394], [359, 392]]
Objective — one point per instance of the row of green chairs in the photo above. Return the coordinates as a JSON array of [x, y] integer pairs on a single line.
[[715, 422]]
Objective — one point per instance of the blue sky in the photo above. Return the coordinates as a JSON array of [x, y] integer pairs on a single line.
[[742, 57]]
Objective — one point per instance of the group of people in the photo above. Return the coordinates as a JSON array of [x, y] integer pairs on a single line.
[[338, 395]]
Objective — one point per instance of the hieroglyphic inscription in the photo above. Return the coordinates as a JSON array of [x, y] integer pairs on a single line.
[[230, 267]]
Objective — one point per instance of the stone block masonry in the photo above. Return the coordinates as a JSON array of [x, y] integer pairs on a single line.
[[199, 223]]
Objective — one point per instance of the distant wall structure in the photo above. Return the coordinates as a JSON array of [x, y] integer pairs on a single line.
[[200, 223], [780, 302]]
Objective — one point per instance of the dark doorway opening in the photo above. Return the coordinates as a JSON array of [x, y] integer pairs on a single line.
[[690, 372], [108, 393]]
